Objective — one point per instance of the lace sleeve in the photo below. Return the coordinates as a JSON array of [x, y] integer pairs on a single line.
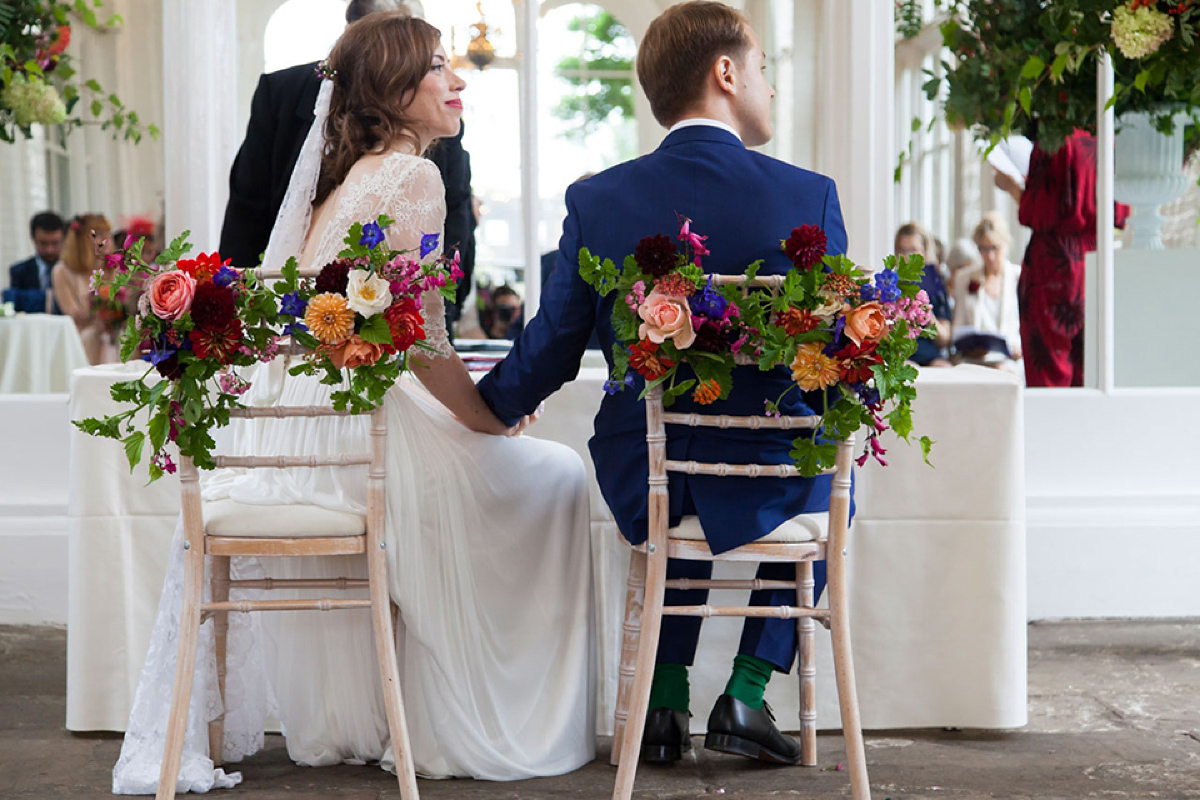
[[419, 208]]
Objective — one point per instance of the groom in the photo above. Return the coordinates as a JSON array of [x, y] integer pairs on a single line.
[[703, 70]]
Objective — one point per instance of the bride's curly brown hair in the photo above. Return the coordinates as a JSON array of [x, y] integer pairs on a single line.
[[378, 63]]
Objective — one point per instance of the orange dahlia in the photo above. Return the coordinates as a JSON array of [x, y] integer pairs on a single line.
[[329, 318], [812, 369]]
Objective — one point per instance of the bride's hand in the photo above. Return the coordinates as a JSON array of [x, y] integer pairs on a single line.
[[527, 420]]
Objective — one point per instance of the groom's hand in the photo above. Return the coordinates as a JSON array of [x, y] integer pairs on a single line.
[[527, 420]]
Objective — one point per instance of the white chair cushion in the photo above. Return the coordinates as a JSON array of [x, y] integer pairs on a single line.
[[243, 520], [803, 528]]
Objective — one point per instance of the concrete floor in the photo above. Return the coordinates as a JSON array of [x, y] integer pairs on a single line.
[[1114, 713]]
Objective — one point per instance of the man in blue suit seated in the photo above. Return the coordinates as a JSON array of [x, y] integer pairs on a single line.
[[703, 70], [29, 280]]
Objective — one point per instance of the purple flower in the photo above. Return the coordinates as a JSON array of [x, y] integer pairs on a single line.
[[429, 243], [163, 462], [294, 327], [867, 292], [612, 387], [293, 305], [708, 302], [225, 276], [886, 282], [372, 235]]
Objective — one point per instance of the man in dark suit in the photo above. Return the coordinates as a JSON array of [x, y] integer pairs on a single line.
[[280, 116], [704, 73], [30, 288]]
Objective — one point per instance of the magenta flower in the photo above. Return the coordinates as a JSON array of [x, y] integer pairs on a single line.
[[693, 240]]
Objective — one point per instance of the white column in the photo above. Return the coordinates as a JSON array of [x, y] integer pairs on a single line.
[[527, 23], [1105, 221], [856, 106], [200, 135]]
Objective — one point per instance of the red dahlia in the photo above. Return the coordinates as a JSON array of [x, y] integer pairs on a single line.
[[202, 267], [806, 246], [644, 358], [406, 324], [212, 306], [333, 277], [219, 344], [857, 360], [796, 321], [655, 255]]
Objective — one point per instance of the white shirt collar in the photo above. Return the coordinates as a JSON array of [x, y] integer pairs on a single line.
[[715, 123]]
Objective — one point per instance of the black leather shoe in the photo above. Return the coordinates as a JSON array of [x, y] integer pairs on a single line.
[[734, 727], [666, 738]]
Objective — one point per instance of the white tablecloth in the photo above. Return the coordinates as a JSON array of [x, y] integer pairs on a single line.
[[38, 353], [937, 564]]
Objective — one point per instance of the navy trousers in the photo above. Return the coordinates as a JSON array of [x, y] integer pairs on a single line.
[[771, 639]]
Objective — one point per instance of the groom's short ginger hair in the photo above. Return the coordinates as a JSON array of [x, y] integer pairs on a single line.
[[679, 49]]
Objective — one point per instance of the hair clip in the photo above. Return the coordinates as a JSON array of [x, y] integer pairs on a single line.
[[325, 71], [75, 224]]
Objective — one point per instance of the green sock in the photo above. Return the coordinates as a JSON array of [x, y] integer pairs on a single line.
[[669, 688], [749, 680]]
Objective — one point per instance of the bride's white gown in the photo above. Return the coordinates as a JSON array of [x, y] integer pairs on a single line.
[[489, 563]]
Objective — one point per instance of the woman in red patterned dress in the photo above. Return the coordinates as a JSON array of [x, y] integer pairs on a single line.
[[1059, 204]]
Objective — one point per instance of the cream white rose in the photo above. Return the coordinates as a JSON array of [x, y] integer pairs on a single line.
[[367, 294], [832, 305]]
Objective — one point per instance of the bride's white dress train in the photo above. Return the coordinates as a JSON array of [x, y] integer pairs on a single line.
[[489, 562]]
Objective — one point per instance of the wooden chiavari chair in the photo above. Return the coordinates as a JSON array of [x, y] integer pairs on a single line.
[[803, 540]]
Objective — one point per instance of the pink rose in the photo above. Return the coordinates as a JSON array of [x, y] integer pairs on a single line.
[[171, 294], [666, 317], [867, 322]]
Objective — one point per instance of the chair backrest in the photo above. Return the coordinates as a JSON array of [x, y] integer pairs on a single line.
[[657, 418], [373, 458]]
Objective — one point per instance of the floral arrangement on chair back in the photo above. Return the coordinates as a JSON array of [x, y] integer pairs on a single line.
[[842, 331], [200, 319]]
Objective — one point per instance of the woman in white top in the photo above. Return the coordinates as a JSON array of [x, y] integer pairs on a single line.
[[487, 536], [985, 298]]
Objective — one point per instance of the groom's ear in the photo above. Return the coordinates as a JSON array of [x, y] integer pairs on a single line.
[[724, 73]]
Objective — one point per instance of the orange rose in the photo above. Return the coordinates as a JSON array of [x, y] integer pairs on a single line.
[[666, 317], [354, 352], [868, 322], [171, 294]]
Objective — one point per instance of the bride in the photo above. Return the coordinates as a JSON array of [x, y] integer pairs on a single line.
[[489, 550]]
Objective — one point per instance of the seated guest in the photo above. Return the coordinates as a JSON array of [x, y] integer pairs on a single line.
[[913, 239], [29, 280], [140, 229], [89, 239], [501, 317], [963, 254], [987, 325]]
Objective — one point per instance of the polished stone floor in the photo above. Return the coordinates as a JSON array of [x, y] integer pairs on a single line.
[[1114, 712]]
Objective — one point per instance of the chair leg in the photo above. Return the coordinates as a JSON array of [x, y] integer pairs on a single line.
[[807, 667], [635, 595], [220, 593], [843, 666], [639, 693], [389, 669], [185, 667]]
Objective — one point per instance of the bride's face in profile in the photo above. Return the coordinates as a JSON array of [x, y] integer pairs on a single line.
[[436, 110]]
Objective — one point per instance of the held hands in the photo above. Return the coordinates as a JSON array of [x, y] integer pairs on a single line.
[[526, 421]]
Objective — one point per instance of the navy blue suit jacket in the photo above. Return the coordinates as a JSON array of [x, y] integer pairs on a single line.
[[746, 203], [25, 287]]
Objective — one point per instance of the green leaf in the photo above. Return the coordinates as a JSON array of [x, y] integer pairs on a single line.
[[1026, 97], [1139, 82], [1059, 66], [97, 108], [1033, 68], [133, 448], [926, 446], [376, 330]]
